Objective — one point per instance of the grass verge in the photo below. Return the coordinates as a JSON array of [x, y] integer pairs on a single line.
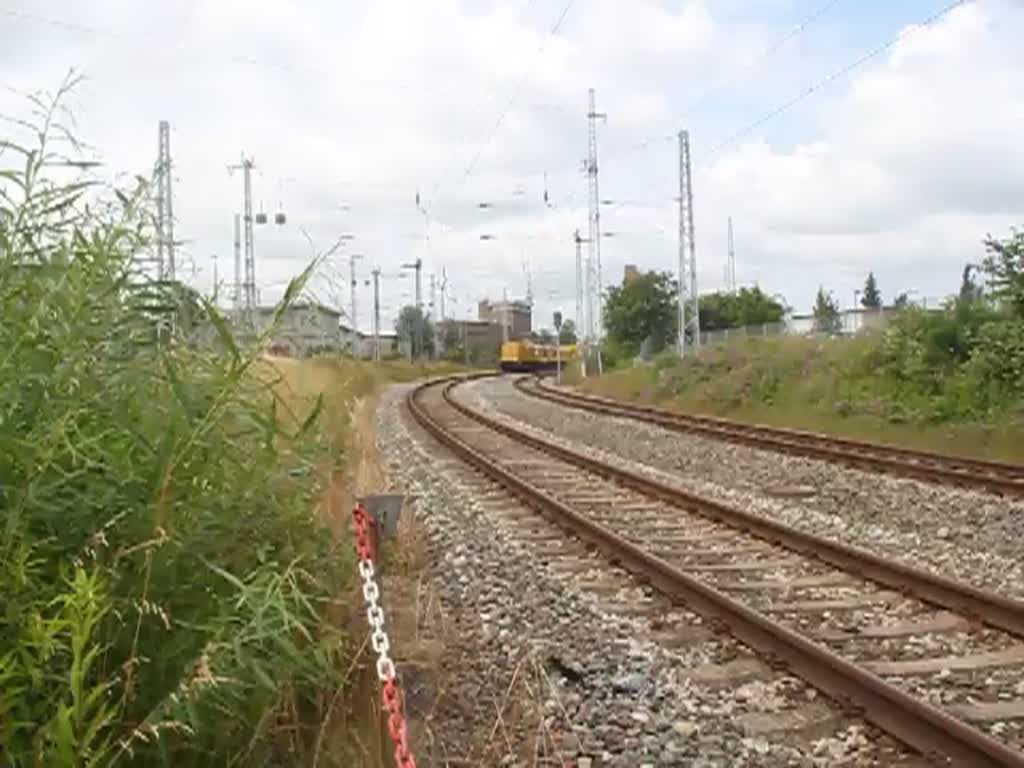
[[820, 385]]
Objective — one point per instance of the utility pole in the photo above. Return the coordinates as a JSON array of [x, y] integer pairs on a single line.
[[249, 271], [354, 318], [444, 290], [731, 267], [433, 309], [687, 251], [419, 289], [164, 206], [418, 266], [216, 280], [237, 293], [376, 314], [595, 317], [580, 330], [504, 316]]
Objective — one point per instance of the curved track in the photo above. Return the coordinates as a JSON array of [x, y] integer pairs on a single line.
[[992, 476], [884, 639]]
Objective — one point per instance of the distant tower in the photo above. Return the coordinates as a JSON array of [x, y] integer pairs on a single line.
[[249, 261], [593, 303], [237, 292], [164, 206], [580, 330], [731, 266], [687, 251]]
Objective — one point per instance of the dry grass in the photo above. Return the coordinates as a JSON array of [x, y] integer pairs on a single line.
[[353, 736]]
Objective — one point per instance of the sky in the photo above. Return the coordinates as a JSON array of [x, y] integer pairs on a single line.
[[841, 136]]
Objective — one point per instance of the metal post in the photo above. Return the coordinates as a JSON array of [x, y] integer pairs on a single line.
[[687, 250], [165, 206], [238, 263], [376, 315], [681, 273], [731, 266], [579, 282]]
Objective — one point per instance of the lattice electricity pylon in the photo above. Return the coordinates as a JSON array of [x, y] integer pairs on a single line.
[[689, 316]]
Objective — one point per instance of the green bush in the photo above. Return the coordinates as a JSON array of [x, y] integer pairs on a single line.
[[164, 577]]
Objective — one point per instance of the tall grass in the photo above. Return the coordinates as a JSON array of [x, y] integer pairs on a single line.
[[163, 576]]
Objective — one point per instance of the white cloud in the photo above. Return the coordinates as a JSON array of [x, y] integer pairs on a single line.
[[907, 166], [915, 163]]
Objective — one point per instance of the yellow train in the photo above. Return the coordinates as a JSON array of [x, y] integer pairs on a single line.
[[528, 356]]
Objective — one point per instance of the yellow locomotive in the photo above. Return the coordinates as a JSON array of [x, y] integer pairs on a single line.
[[528, 356]]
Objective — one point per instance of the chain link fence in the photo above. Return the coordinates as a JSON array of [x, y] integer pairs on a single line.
[[730, 334]]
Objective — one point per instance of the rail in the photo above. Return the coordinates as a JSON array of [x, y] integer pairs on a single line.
[[999, 477], [918, 724]]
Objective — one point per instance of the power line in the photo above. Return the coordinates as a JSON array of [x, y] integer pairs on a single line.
[[831, 78], [471, 167], [141, 40], [794, 32], [798, 29]]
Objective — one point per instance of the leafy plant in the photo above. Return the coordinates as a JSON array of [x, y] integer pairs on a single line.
[[165, 578]]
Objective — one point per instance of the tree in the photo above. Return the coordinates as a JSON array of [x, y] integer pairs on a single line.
[[872, 298], [749, 306], [970, 291], [1004, 267], [644, 308], [543, 336], [567, 335], [415, 328], [826, 312], [902, 301]]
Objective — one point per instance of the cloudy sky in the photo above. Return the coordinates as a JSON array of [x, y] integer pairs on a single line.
[[900, 164]]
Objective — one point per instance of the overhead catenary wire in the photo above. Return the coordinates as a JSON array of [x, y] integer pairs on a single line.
[[799, 28], [510, 102], [829, 79]]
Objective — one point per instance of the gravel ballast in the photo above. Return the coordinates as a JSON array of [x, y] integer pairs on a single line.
[[541, 670], [964, 534]]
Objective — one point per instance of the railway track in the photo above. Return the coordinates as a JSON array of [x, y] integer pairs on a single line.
[[936, 664], [995, 477]]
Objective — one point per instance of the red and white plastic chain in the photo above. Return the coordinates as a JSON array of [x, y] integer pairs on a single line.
[[379, 641]]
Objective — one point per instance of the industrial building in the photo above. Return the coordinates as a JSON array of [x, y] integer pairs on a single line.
[[514, 317]]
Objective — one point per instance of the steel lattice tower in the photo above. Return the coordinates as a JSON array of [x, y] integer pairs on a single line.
[[593, 304], [249, 285], [248, 300], [687, 251], [236, 294], [164, 206]]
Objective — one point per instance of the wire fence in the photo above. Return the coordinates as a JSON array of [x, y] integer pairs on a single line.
[[730, 334]]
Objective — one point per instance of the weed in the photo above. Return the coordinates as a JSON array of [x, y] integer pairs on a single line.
[[165, 574]]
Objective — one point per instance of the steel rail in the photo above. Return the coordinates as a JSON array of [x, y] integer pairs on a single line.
[[995, 476], [918, 724]]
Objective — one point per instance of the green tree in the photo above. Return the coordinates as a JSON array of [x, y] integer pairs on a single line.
[[415, 328], [902, 301], [643, 309], [567, 335], [826, 312], [872, 297], [1004, 267], [749, 306], [970, 291]]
